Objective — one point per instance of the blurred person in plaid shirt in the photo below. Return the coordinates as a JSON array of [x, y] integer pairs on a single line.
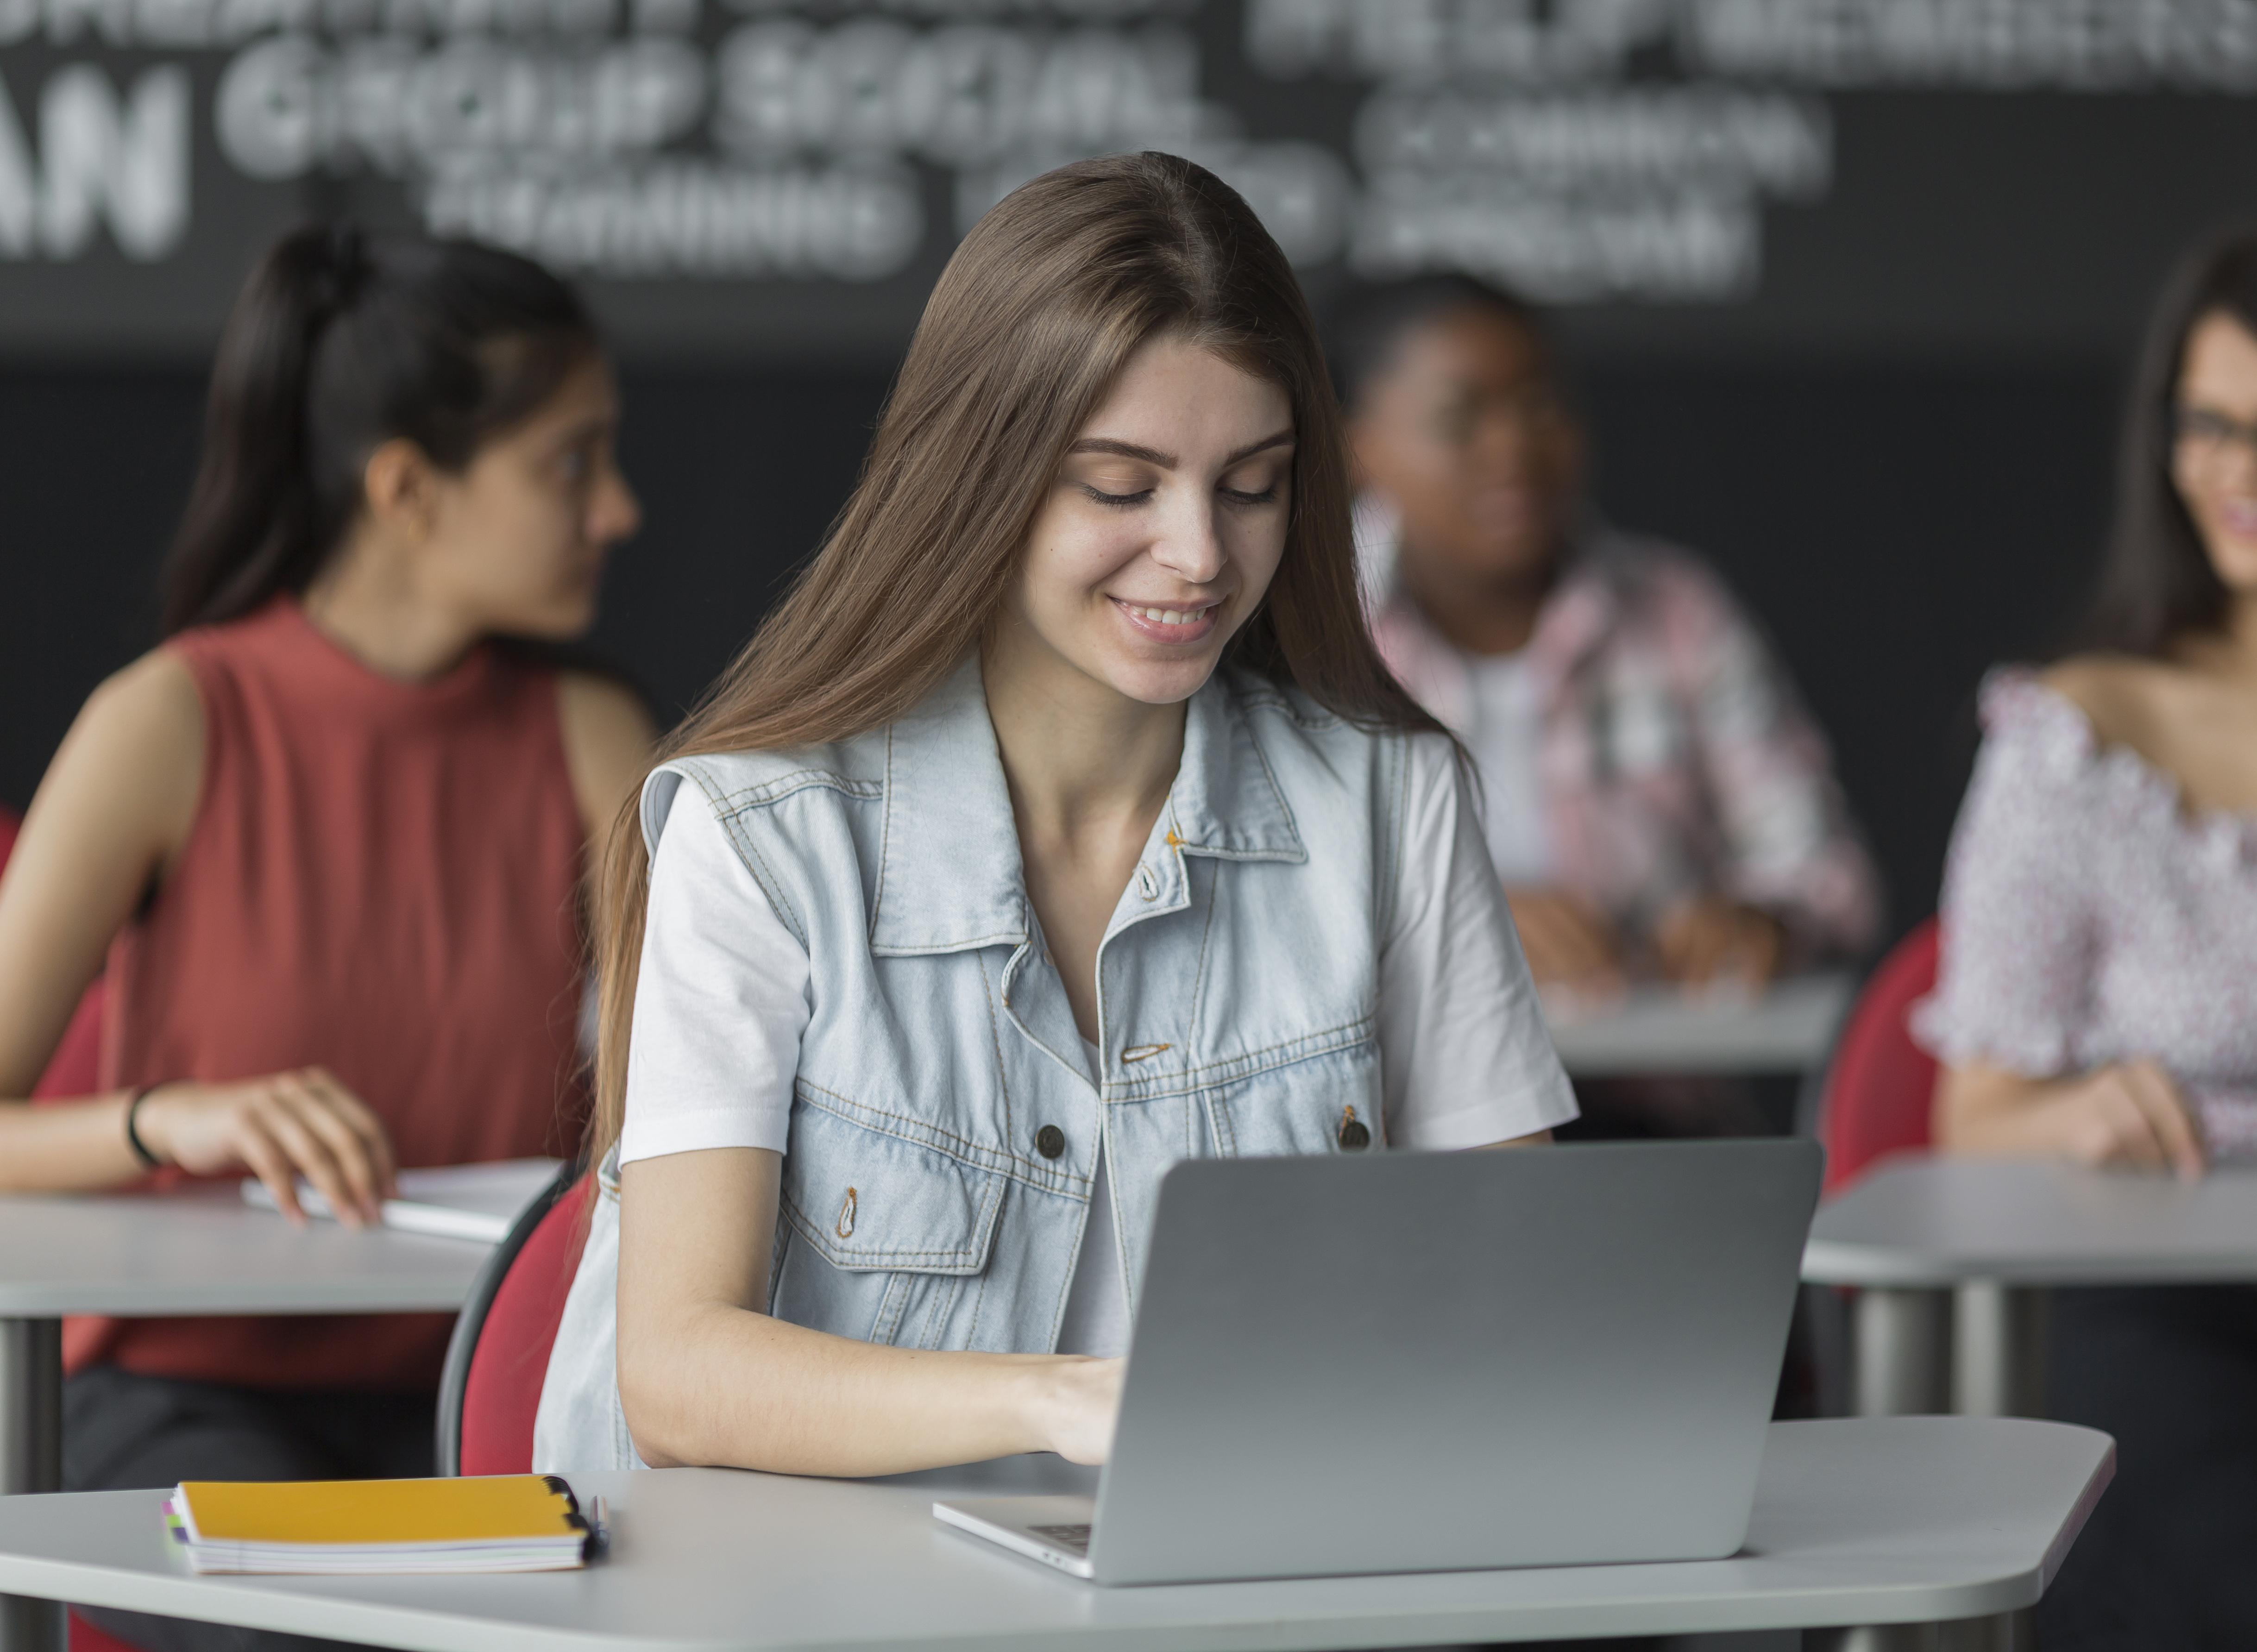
[[1659, 804]]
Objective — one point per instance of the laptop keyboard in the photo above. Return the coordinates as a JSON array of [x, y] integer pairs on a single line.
[[1073, 1539]]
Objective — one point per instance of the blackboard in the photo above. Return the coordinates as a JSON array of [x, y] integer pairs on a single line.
[[780, 180]]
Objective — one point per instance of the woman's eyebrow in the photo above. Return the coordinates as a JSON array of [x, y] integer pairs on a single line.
[[1282, 439], [1168, 461], [1126, 450]]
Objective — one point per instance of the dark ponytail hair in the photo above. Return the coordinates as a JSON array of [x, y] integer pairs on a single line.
[[338, 344], [2158, 584]]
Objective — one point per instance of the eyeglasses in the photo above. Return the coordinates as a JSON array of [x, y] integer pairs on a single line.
[[1530, 408], [2205, 434]]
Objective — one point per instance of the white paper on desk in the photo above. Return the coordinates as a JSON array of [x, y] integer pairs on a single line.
[[458, 1201]]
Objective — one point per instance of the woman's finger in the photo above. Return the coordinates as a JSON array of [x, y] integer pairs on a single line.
[[279, 1115], [353, 1114], [2130, 1130], [2168, 1115], [319, 1114], [269, 1164]]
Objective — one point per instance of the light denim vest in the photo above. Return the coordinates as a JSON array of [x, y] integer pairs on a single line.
[[1236, 989]]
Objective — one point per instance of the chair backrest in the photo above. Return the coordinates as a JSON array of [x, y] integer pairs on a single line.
[[499, 1356], [76, 1068], [1881, 1086]]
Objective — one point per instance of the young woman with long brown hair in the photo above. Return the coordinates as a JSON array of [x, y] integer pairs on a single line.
[[1061, 824]]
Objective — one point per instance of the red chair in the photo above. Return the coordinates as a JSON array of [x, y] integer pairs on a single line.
[[499, 1352], [1881, 1087]]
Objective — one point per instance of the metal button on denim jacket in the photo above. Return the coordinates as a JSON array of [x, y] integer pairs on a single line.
[[945, 1119]]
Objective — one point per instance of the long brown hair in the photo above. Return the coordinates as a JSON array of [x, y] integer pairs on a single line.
[[1032, 321]]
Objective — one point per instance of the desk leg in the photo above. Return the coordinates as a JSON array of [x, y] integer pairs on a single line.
[[1997, 1351], [1969, 1635], [1900, 1336], [30, 1457]]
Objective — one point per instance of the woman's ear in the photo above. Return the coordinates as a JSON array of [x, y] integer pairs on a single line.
[[400, 488]]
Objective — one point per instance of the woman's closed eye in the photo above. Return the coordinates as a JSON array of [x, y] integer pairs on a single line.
[[1256, 484]]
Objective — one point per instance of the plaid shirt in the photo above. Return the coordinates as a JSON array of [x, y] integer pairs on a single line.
[[1676, 759]]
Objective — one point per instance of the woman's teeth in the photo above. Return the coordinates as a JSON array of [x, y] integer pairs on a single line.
[[1171, 616]]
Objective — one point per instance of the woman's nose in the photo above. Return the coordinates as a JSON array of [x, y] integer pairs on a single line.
[[615, 514], [1190, 545]]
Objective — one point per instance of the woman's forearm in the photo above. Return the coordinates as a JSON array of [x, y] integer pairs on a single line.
[[724, 1385], [68, 1146], [2129, 1112]]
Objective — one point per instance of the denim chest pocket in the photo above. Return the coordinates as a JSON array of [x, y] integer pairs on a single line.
[[1324, 1103], [879, 1235]]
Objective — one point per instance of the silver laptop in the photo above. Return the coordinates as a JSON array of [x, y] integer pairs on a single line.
[[1440, 1361]]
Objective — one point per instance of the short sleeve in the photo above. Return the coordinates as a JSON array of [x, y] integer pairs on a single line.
[[1464, 1056], [722, 1000], [2016, 970]]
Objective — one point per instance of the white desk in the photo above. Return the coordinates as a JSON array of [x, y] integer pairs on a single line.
[[1891, 1521], [1971, 1242], [1662, 1030], [199, 1251]]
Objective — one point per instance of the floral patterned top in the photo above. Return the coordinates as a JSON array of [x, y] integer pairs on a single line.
[[2089, 919]]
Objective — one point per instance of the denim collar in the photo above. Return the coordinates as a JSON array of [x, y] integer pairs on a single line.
[[949, 874]]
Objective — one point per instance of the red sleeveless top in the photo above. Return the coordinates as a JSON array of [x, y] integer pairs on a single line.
[[382, 878]]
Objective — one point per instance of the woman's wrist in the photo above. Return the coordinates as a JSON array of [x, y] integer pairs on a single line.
[[1042, 1400], [142, 1141]]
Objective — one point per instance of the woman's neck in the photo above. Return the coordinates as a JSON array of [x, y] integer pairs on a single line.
[[1080, 757], [371, 606]]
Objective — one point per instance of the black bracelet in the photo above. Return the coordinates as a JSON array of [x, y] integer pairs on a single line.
[[149, 1160]]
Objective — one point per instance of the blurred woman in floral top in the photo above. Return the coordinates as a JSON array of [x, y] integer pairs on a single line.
[[1658, 801]]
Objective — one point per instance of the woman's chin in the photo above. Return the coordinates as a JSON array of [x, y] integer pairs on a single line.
[[1158, 682]]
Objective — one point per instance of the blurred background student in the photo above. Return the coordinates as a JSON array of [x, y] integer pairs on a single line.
[[1658, 802], [329, 835], [2098, 994]]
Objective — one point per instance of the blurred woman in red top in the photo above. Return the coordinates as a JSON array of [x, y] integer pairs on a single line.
[[329, 834]]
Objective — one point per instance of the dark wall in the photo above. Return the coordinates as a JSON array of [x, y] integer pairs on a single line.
[[1897, 526]]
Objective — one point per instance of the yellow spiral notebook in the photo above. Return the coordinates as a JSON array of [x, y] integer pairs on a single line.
[[502, 1523]]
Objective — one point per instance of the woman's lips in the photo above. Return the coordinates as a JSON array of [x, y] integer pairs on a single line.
[[1169, 623]]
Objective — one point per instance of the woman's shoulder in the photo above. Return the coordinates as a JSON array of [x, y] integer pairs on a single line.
[[744, 782], [2073, 740], [2118, 698]]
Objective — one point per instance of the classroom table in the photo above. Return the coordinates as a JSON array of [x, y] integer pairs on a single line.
[[1894, 1521], [1955, 1253], [1665, 1030], [199, 1251]]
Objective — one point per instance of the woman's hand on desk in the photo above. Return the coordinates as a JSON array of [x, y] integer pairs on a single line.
[[2130, 1113], [279, 1127], [1081, 1407]]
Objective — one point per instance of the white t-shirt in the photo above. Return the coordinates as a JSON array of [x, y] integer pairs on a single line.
[[1504, 739], [722, 1002], [1096, 1318]]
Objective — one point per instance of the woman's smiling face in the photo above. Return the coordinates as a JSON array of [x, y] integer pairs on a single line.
[[1163, 526]]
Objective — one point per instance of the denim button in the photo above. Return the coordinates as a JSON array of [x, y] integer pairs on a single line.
[[1355, 1134], [1050, 1141]]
